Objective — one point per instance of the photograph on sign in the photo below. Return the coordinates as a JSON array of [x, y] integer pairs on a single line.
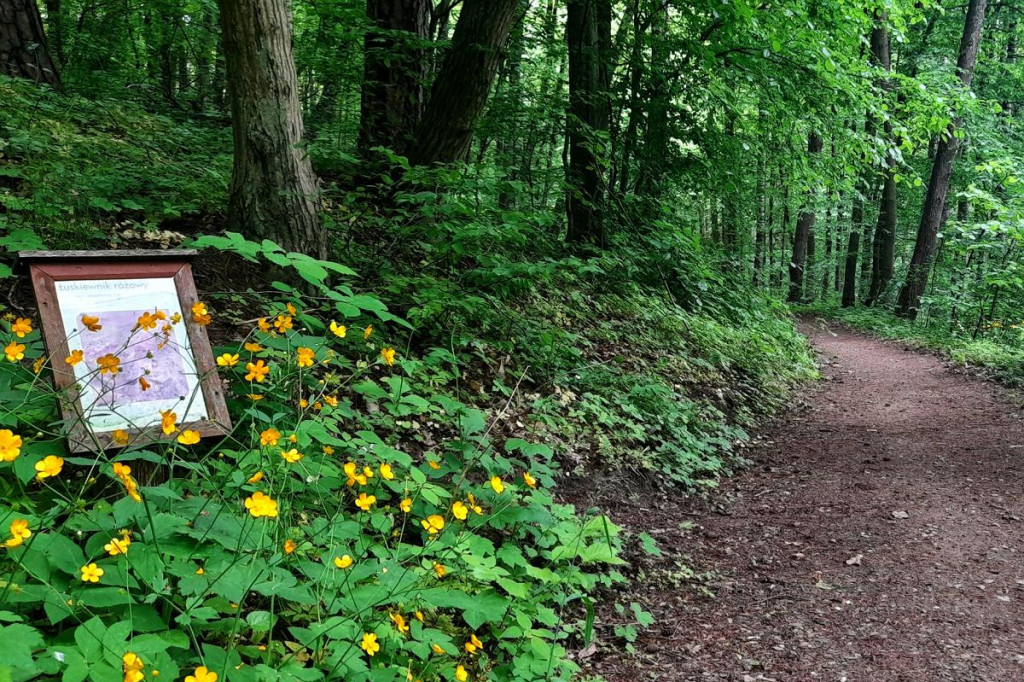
[[136, 357]]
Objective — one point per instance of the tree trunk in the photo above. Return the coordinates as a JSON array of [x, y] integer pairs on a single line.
[[883, 247], [804, 229], [853, 251], [587, 120], [938, 185], [394, 70], [23, 51], [273, 188], [459, 93], [55, 29]]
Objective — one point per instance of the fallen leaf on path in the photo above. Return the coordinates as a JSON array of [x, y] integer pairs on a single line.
[[854, 560], [900, 515]]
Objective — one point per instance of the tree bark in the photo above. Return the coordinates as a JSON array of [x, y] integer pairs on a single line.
[[273, 188], [909, 299], [587, 122], [804, 229], [853, 251], [394, 71], [883, 247], [459, 94], [23, 51]]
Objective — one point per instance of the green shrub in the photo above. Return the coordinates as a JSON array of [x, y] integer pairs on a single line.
[[356, 524]]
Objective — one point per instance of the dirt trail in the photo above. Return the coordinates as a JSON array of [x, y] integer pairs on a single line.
[[893, 459]]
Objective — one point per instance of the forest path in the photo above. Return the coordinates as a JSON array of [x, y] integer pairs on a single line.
[[879, 536]]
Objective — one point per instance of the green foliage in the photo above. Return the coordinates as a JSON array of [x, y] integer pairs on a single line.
[[83, 167], [357, 501]]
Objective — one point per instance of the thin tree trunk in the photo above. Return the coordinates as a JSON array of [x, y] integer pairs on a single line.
[[587, 121], [938, 185], [273, 188], [802, 239], [883, 247], [853, 251]]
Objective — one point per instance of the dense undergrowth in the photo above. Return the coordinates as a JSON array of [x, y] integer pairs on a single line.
[[388, 487], [997, 347]]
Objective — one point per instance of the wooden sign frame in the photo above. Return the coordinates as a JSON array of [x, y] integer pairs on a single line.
[[48, 268]]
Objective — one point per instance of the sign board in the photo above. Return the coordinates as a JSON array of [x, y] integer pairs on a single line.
[[128, 316]]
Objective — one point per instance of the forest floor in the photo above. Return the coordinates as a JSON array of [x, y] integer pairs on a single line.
[[877, 536]]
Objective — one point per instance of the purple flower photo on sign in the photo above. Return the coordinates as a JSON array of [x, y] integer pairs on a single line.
[[150, 361]]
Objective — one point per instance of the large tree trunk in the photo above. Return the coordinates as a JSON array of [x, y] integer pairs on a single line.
[[273, 188], [804, 229], [883, 248], [394, 70], [459, 93], [587, 124], [938, 185], [23, 51]]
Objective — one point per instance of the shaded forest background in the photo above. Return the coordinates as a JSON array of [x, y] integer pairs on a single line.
[[862, 154]]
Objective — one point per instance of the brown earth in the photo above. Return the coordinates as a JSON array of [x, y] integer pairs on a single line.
[[878, 536]]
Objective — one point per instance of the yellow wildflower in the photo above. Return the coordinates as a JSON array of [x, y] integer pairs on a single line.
[[257, 372], [433, 464], [91, 573], [270, 436], [76, 357], [387, 472], [202, 674], [283, 323], [189, 437], [406, 505], [15, 351], [365, 501], [291, 456], [227, 360], [200, 315], [497, 485], [353, 475], [389, 355], [367, 331], [461, 674], [253, 347], [145, 385], [118, 545], [19, 533], [343, 561], [305, 356], [460, 511], [399, 621], [168, 421], [256, 478], [440, 570], [433, 524], [260, 504], [289, 546], [10, 445], [474, 645], [338, 330], [529, 480], [120, 437], [369, 643], [48, 467], [437, 649], [21, 327]]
